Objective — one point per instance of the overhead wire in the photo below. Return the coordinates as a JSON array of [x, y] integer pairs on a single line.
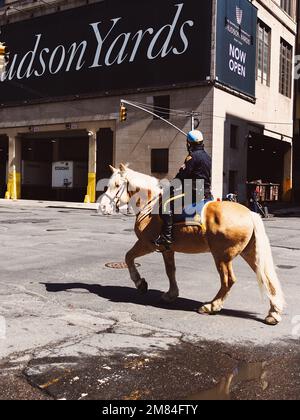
[[170, 111]]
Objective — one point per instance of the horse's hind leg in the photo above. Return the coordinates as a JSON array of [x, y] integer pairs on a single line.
[[274, 315], [138, 250], [169, 260], [228, 279]]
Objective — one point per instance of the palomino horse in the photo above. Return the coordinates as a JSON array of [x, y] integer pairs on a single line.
[[228, 230]]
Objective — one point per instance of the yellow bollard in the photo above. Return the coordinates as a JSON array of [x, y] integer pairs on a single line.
[[13, 186], [91, 188]]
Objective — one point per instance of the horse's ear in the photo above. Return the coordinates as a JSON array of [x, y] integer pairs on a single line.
[[113, 169], [123, 168]]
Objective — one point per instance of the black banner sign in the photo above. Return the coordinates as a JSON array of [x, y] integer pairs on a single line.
[[236, 44], [108, 46]]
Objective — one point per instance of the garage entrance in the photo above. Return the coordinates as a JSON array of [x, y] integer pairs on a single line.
[[3, 165], [266, 160], [55, 166]]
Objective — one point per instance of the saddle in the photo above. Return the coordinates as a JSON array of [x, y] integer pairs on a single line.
[[191, 215]]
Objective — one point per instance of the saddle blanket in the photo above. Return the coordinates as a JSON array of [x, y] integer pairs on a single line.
[[191, 214]]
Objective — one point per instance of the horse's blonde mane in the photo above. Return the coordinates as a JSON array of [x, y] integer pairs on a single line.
[[141, 181]]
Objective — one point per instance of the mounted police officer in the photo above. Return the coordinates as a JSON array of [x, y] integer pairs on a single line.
[[197, 166]]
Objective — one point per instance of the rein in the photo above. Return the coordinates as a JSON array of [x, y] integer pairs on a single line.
[[148, 205], [125, 186], [117, 198], [118, 195]]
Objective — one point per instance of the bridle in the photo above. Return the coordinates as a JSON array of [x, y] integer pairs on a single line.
[[116, 200]]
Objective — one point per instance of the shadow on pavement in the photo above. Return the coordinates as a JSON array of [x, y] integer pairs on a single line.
[[152, 298]]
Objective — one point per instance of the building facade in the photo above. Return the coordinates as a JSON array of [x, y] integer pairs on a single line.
[[71, 63], [296, 148]]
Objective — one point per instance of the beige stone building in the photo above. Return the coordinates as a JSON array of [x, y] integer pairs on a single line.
[[296, 148], [59, 125]]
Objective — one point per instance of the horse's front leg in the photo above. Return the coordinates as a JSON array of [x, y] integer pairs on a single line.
[[172, 294], [139, 250]]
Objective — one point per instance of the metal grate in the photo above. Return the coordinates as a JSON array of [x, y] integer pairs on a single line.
[[119, 265]]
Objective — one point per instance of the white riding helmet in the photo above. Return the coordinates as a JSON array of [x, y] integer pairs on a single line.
[[195, 136]]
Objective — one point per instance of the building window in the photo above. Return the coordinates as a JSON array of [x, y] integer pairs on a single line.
[[287, 6], [234, 136], [160, 161], [161, 106], [285, 74], [263, 53]]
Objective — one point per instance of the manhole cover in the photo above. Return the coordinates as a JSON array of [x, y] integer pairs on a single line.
[[286, 267], [119, 265]]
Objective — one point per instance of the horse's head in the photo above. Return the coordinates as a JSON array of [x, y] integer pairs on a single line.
[[128, 187], [117, 192]]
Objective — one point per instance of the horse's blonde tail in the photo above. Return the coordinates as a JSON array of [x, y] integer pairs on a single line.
[[265, 268]]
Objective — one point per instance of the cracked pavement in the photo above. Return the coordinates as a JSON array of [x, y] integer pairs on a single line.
[[76, 329]]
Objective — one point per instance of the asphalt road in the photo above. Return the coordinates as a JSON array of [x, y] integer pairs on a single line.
[[72, 328]]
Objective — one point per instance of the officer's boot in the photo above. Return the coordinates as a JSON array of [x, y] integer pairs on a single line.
[[166, 237]]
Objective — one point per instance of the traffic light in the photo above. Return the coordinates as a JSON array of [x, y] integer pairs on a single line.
[[3, 57], [123, 113]]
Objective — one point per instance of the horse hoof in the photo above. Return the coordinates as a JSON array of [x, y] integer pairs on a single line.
[[208, 310], [270, 320], [143, 287], [205, 310]]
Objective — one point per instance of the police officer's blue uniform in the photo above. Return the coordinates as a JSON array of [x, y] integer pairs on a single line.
[[197, 166]]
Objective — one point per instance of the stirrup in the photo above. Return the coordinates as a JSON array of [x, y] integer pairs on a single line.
[[163, 241]]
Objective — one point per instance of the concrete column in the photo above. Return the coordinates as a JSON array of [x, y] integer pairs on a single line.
[[218, 158], [91, 187], [287, 175], [14, 168], [218, 140]]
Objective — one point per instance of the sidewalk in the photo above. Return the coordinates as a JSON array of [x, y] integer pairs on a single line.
[[49, 204], [286, 211], [289, 211]]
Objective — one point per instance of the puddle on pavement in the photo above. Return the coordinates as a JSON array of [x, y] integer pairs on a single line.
[[135, 374], [245, 372]]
